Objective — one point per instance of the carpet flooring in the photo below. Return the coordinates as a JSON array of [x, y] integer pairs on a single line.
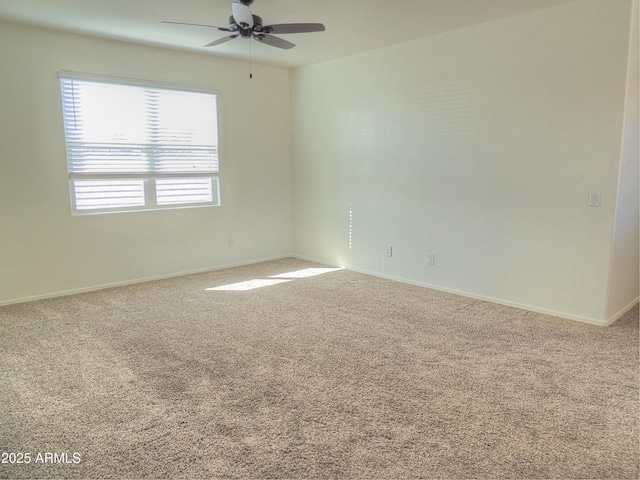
[[286, 369]]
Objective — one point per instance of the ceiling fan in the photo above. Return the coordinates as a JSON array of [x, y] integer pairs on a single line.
[[244, 24]]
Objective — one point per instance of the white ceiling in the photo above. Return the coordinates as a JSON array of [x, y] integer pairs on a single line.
[[352, 26]]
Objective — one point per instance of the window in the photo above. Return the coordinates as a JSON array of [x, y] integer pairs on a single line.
[[132, 146]]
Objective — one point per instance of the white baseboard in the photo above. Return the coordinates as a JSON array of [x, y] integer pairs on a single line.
[[499, 301], [616, 317], [94, 288]]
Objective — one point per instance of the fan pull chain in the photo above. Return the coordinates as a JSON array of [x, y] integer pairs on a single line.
[[251, 58]]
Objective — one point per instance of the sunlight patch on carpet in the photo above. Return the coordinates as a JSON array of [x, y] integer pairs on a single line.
[[274, 279], [249, 284], [306, 272]]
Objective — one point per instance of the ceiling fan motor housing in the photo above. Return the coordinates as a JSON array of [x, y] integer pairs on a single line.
[[246, 32]]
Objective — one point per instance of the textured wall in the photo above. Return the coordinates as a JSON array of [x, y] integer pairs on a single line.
[[45, 250], [480, 145], [624, 279]]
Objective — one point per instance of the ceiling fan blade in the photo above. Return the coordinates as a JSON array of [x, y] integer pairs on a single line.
[[223, 29], [274, 41], [293, 28], [242, 15], [221, 40]]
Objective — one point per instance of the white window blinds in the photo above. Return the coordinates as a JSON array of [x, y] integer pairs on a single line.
[[132, 147]]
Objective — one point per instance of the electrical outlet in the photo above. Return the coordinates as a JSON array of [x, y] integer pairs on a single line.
[[431, 258], [389, 251], [232, 242]]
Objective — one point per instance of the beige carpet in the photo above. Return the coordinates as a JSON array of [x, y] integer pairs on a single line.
[[337, 375]]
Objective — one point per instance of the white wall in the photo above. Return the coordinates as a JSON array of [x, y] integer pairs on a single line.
[[44, 250], [624, 282], [480, 145]]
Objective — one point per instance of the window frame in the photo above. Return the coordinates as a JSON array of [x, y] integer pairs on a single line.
[[148, 179]]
